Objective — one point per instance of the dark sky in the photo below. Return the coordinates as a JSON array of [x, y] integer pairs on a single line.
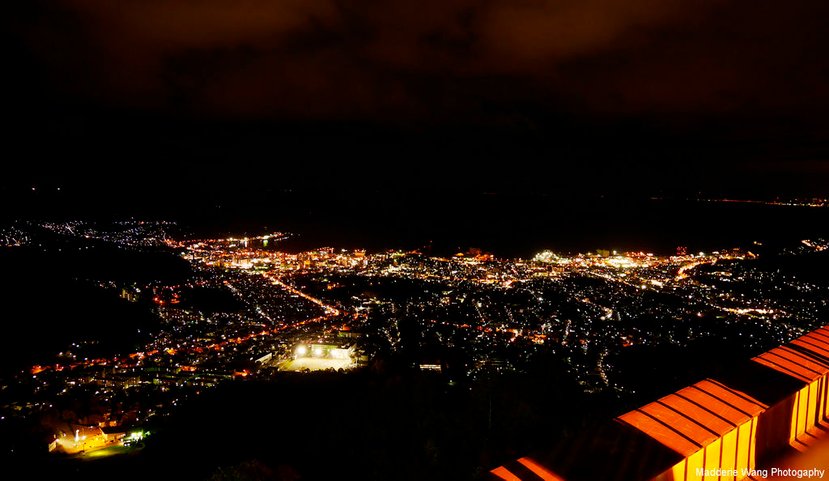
[[646, 95]]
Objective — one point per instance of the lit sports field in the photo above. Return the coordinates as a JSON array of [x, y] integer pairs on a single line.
[[315, 364], [106, 452]]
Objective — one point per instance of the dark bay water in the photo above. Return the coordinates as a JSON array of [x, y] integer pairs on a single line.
[[513, 226], [509, 224]]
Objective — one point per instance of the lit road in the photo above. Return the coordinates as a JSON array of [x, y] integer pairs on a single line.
[[330, 310], [135, 358]]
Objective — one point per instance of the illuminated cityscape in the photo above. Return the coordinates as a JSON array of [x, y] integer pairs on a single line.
[[467, 240], [249, 311]]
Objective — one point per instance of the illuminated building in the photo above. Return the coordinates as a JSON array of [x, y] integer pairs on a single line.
[[84, 438], [130, 294], [720, 428], [320, 356]]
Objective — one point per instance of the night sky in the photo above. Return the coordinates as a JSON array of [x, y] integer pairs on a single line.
[[645, 96]]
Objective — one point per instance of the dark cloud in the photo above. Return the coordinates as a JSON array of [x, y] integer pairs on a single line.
[[371, 58], [708, 83]]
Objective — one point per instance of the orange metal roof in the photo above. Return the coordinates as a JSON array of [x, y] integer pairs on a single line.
[[662, 432], [700, 412], [695, 416], [805, 358], [819, 340], [539, 470], [524, 469], [505, 474], [810, 345]]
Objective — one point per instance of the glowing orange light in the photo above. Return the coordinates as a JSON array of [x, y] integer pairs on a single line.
[[538, 470], [505, 474]]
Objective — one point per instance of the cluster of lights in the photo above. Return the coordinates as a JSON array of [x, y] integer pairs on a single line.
[[546, 257], [638, 270], [316, 351], [319, 351]]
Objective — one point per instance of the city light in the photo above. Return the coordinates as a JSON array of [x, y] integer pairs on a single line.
[[335, 310]]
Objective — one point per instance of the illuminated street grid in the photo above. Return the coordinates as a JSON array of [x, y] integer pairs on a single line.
[[472, 313]]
